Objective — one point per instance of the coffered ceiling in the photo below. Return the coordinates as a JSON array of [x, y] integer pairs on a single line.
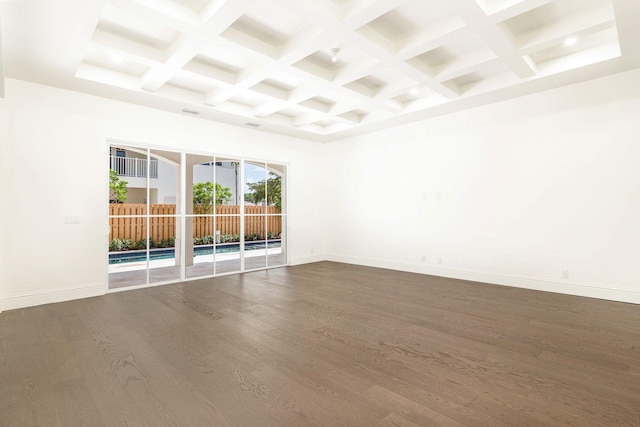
[[268, 63]]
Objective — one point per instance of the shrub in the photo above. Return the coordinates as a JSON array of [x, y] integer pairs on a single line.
[[142, 244], [119, 245], [167, 243], [229, 238], [115, 245]]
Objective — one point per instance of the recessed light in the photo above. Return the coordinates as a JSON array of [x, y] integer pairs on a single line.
[[413, 91], [334, 54], [570, 41], [117, 58]]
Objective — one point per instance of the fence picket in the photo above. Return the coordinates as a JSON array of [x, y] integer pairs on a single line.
[[131, 221]]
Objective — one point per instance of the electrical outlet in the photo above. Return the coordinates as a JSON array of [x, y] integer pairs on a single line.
[[424, 258], [440, 260], [565, 273], [72, 220]]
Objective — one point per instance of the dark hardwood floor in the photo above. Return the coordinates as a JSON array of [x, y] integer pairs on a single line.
[[322, 344]]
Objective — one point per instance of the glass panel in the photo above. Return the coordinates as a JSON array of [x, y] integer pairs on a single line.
[[227, 176], [127, 175], [128, 197], [152, 250], [127, 268], [202, 178], [275, 242], [275, 188], [254, 242], [276, 245], [127, 249], [163, 264], [164, 224], [164, 181], [199, 227], [199, 258], [227, 257], [255, 188]]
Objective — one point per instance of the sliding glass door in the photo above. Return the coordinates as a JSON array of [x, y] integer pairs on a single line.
[[179, 216], [263, 199]]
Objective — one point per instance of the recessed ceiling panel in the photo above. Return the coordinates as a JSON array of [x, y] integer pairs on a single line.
[[194, 5], [128, 26], [326, 68], [189, 82]]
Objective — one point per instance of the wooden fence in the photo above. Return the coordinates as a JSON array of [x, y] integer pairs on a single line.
[[227, 221]]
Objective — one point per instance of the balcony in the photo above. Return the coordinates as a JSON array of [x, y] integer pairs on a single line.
[[133, 167]]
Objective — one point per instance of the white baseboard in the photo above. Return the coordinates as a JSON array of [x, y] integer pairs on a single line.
[[307, 259], [30, 299], [540, 284]]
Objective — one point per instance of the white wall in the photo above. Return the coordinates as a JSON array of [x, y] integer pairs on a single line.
[[4, 165], [45, 260], [528, 188], [511, 193]]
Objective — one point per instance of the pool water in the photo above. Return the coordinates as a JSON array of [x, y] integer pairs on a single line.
[[156, 254]]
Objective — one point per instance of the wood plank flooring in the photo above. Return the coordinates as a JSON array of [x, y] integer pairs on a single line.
[[322, 344]]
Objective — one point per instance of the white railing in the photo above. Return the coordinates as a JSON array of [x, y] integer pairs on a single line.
[[131, 166]]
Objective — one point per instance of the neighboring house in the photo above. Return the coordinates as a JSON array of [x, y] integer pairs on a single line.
[[131, 167]]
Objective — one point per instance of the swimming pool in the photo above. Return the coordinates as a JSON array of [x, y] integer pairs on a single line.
[[155, 254]]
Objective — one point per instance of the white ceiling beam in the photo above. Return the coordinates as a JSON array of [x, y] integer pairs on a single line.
[[352, 117], [181, 51], [269, 107], [357, 70], [382, 49], [470, 60], [360, 12], [403, 67], [515, 9], [141, 12], [496, 40], [173, 9], [369, 55], [126, 48], [245, 80], [108, 77], [303, 45], [266, 66], [296, 96], [556, 39], [590, 18], [185, 48], [467, 68], [431, 38], [308, 118], [373, 43], [346, 106], [214, 75], [217, 13], [203, 79]]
